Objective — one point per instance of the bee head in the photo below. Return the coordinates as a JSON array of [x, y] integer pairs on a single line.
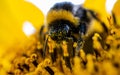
[[60, 23], [59, 30]]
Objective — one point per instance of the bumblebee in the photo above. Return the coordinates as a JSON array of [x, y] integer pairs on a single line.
[[65, 31]]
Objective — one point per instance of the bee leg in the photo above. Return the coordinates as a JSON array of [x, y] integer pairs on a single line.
[[67, 61], [79, 46], [51, 45], [53, 57], [70, 47], [66, 54], [82, 31]]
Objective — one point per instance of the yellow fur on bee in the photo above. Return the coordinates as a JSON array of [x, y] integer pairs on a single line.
[[95, 26], [64, 46], [51, 45], [61, 14]]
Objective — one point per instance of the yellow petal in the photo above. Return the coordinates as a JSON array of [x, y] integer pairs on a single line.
[[116, 11]]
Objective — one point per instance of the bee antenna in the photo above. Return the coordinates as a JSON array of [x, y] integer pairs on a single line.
[[45, 46]]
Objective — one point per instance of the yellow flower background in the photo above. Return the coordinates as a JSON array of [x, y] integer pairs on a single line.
[[13, 14]]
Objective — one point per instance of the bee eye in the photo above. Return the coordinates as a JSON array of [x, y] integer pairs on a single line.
[[66, 28]]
